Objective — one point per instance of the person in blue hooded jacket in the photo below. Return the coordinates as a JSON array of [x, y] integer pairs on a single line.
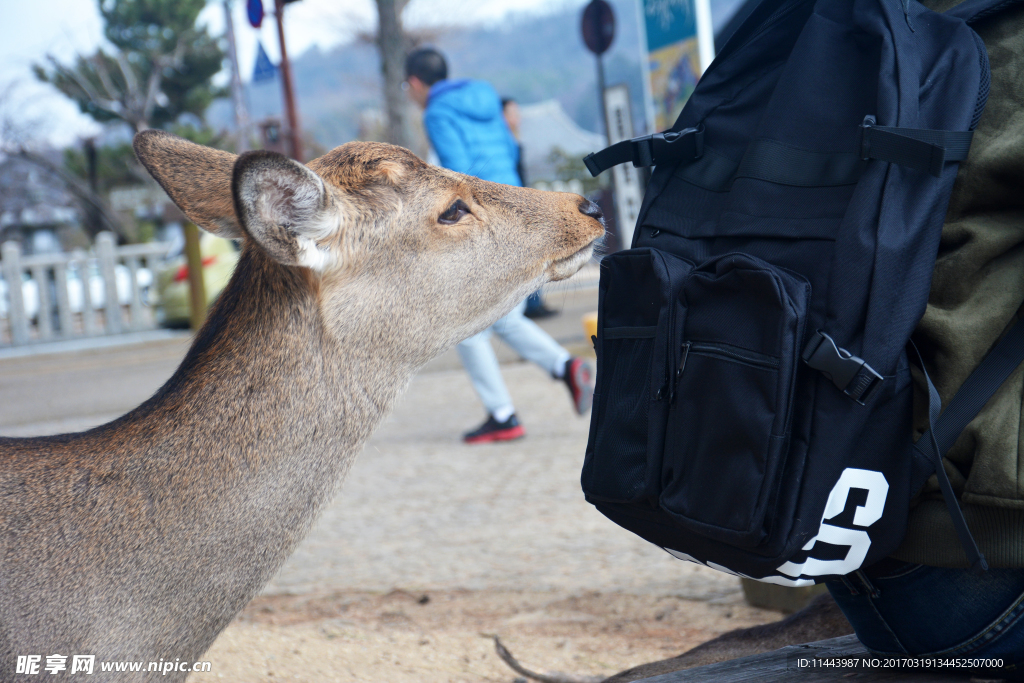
[[466, 127]]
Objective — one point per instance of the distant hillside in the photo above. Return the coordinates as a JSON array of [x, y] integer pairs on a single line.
[[531, 59]]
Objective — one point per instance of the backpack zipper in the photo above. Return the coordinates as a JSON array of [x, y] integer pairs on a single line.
[[731, 353], [679, 372], [667, 390]]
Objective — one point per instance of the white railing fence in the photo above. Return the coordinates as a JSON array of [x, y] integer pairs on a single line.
[[79, 294]]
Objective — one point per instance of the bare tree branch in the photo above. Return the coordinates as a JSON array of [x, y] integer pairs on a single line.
[[16, 129], [110, 105], [75, 187], [156, 74], [133, 103], [99, 65], [140, 107], [131, 83]]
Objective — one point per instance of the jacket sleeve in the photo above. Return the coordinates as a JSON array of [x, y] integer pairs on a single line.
[[448, 142]]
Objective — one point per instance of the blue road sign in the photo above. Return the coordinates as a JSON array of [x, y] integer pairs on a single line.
[[265, 69], [254, 8]]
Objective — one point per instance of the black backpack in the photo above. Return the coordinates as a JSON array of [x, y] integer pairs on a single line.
[[754, 400]]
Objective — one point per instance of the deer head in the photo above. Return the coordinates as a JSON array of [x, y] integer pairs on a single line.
[[382, 237]]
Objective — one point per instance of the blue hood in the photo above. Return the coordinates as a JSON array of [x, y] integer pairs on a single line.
[[465, 125], [473, 99]]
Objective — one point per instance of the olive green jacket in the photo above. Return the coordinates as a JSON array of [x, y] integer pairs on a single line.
[[976, 295]]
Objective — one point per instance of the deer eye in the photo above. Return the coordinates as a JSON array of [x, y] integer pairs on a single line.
[[454, 213]]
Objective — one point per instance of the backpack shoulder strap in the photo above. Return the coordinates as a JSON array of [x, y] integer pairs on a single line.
[[979, 387], [965, 405], [976, 10]]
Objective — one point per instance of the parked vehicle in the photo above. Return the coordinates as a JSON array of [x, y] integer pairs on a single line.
[[172, 298]]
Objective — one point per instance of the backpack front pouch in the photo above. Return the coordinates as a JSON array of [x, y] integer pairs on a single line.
[[639, 316], [696, 375], [730, 413]]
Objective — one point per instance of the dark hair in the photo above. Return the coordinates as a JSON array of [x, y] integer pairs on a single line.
[[505, 101], [426, 64]]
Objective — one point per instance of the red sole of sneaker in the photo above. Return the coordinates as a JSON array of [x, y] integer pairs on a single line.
[[583, 398], [499, 435]]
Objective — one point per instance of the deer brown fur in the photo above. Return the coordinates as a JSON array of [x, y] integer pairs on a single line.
[[141, 539], [820, 620]]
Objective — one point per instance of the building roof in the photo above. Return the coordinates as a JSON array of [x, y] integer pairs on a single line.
[[544, 126]]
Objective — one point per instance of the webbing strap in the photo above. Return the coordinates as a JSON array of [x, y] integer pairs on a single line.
[[974, 556], [917, 148], [975, 392], [784, 164], [649, 150], [777, 163], [976, 10]]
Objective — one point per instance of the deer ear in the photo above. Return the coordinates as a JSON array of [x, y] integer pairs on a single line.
[[285, 207], [196, 178]]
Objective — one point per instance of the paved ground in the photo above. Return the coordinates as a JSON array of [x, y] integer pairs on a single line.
[[421, 512]]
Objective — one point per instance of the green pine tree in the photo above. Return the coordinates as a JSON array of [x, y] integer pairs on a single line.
[[159, 66]]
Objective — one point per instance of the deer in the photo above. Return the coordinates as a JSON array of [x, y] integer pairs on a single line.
[[820, 619], [141, 539]]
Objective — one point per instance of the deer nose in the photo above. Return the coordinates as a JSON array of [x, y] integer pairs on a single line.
[[589, 208]]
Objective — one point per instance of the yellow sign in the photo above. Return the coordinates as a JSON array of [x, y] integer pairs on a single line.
[[680, 45], [674, 70]]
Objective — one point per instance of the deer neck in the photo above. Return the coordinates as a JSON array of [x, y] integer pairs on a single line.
[[211, 484], [268, 405]]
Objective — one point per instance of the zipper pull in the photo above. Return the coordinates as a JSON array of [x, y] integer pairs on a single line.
[[679, 372], [906, 15]]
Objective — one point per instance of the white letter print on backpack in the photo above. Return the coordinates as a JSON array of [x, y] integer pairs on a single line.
[[856, 540]]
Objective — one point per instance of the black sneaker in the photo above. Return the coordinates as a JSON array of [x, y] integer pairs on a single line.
[[539, 312], [492, 430], [579, 377]]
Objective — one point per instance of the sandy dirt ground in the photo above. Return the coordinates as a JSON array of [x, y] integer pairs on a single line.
[[446, 636], [431, 546]]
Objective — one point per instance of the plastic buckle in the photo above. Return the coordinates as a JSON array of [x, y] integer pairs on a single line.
[[937, 161], [643, 151], [659, 148], [865, 139], [852, 375]]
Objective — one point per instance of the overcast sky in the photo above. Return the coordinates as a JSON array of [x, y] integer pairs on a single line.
[[32, 29]]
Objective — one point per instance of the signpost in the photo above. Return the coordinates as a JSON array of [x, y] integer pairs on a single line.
[[598, 26], [291, 112], [626, 181], [237, 97]]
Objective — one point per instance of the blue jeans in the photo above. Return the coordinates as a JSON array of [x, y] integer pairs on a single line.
[[523, 335], [901, 608], [534, 302]]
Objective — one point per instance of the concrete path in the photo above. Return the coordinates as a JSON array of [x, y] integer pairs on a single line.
[[420, 510]]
